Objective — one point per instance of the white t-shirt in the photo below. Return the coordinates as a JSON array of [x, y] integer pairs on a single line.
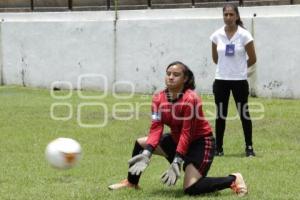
[[231, 67]]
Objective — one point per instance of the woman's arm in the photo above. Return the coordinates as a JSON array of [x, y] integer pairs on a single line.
[[214, 53], [251, 53], [157, 126]]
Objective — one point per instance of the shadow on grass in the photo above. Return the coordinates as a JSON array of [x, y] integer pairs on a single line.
[[237, 155], [62, 179], [179, 193]]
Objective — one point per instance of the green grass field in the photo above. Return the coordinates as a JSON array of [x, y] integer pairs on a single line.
[[26, 127]]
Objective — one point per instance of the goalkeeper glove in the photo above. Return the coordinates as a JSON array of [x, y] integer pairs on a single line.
[[173, 173], [139, 162]]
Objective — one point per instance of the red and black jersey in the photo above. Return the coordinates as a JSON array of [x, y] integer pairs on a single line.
[[184, 117]]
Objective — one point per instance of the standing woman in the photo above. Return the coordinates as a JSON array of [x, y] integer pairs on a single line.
[[233, 52], [190, 141]]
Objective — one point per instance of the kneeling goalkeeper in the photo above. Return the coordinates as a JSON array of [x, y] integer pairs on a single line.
[[190, 143]]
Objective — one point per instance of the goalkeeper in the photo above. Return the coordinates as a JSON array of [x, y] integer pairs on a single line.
[[189, 145]]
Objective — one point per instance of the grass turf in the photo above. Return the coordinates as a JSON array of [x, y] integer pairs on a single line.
[[26, 127]]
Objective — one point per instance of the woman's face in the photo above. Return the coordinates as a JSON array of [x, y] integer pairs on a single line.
[[230, 16], [175, 78]]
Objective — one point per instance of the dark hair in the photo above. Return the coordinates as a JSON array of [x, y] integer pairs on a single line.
[[190, 83], [236, 10]]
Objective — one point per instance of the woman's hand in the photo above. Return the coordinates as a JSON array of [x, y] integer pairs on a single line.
[[139, 162], [173, 173]]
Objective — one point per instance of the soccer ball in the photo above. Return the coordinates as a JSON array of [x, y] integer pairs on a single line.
[[63, 153]]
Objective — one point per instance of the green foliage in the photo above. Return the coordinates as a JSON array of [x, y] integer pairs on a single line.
[[26, 127]]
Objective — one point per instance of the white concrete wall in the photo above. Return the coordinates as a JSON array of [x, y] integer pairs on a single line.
[[38, 51], [278, 66], [156, 43], [40, 48], [276, 33]]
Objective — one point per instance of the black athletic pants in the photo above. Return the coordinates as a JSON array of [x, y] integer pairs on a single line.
[[205, 148], [240, 92]]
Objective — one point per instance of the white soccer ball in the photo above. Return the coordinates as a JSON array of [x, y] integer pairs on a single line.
[[63, 153]]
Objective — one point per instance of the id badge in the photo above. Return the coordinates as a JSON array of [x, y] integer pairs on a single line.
[[229, 50]]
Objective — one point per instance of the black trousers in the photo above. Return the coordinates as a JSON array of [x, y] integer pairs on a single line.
[[240, 92]]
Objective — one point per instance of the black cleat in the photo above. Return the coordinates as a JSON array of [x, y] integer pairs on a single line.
[[249, 151], [219, 152]]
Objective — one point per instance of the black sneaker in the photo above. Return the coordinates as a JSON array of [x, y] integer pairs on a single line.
[[249, 151], [219, 152]]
